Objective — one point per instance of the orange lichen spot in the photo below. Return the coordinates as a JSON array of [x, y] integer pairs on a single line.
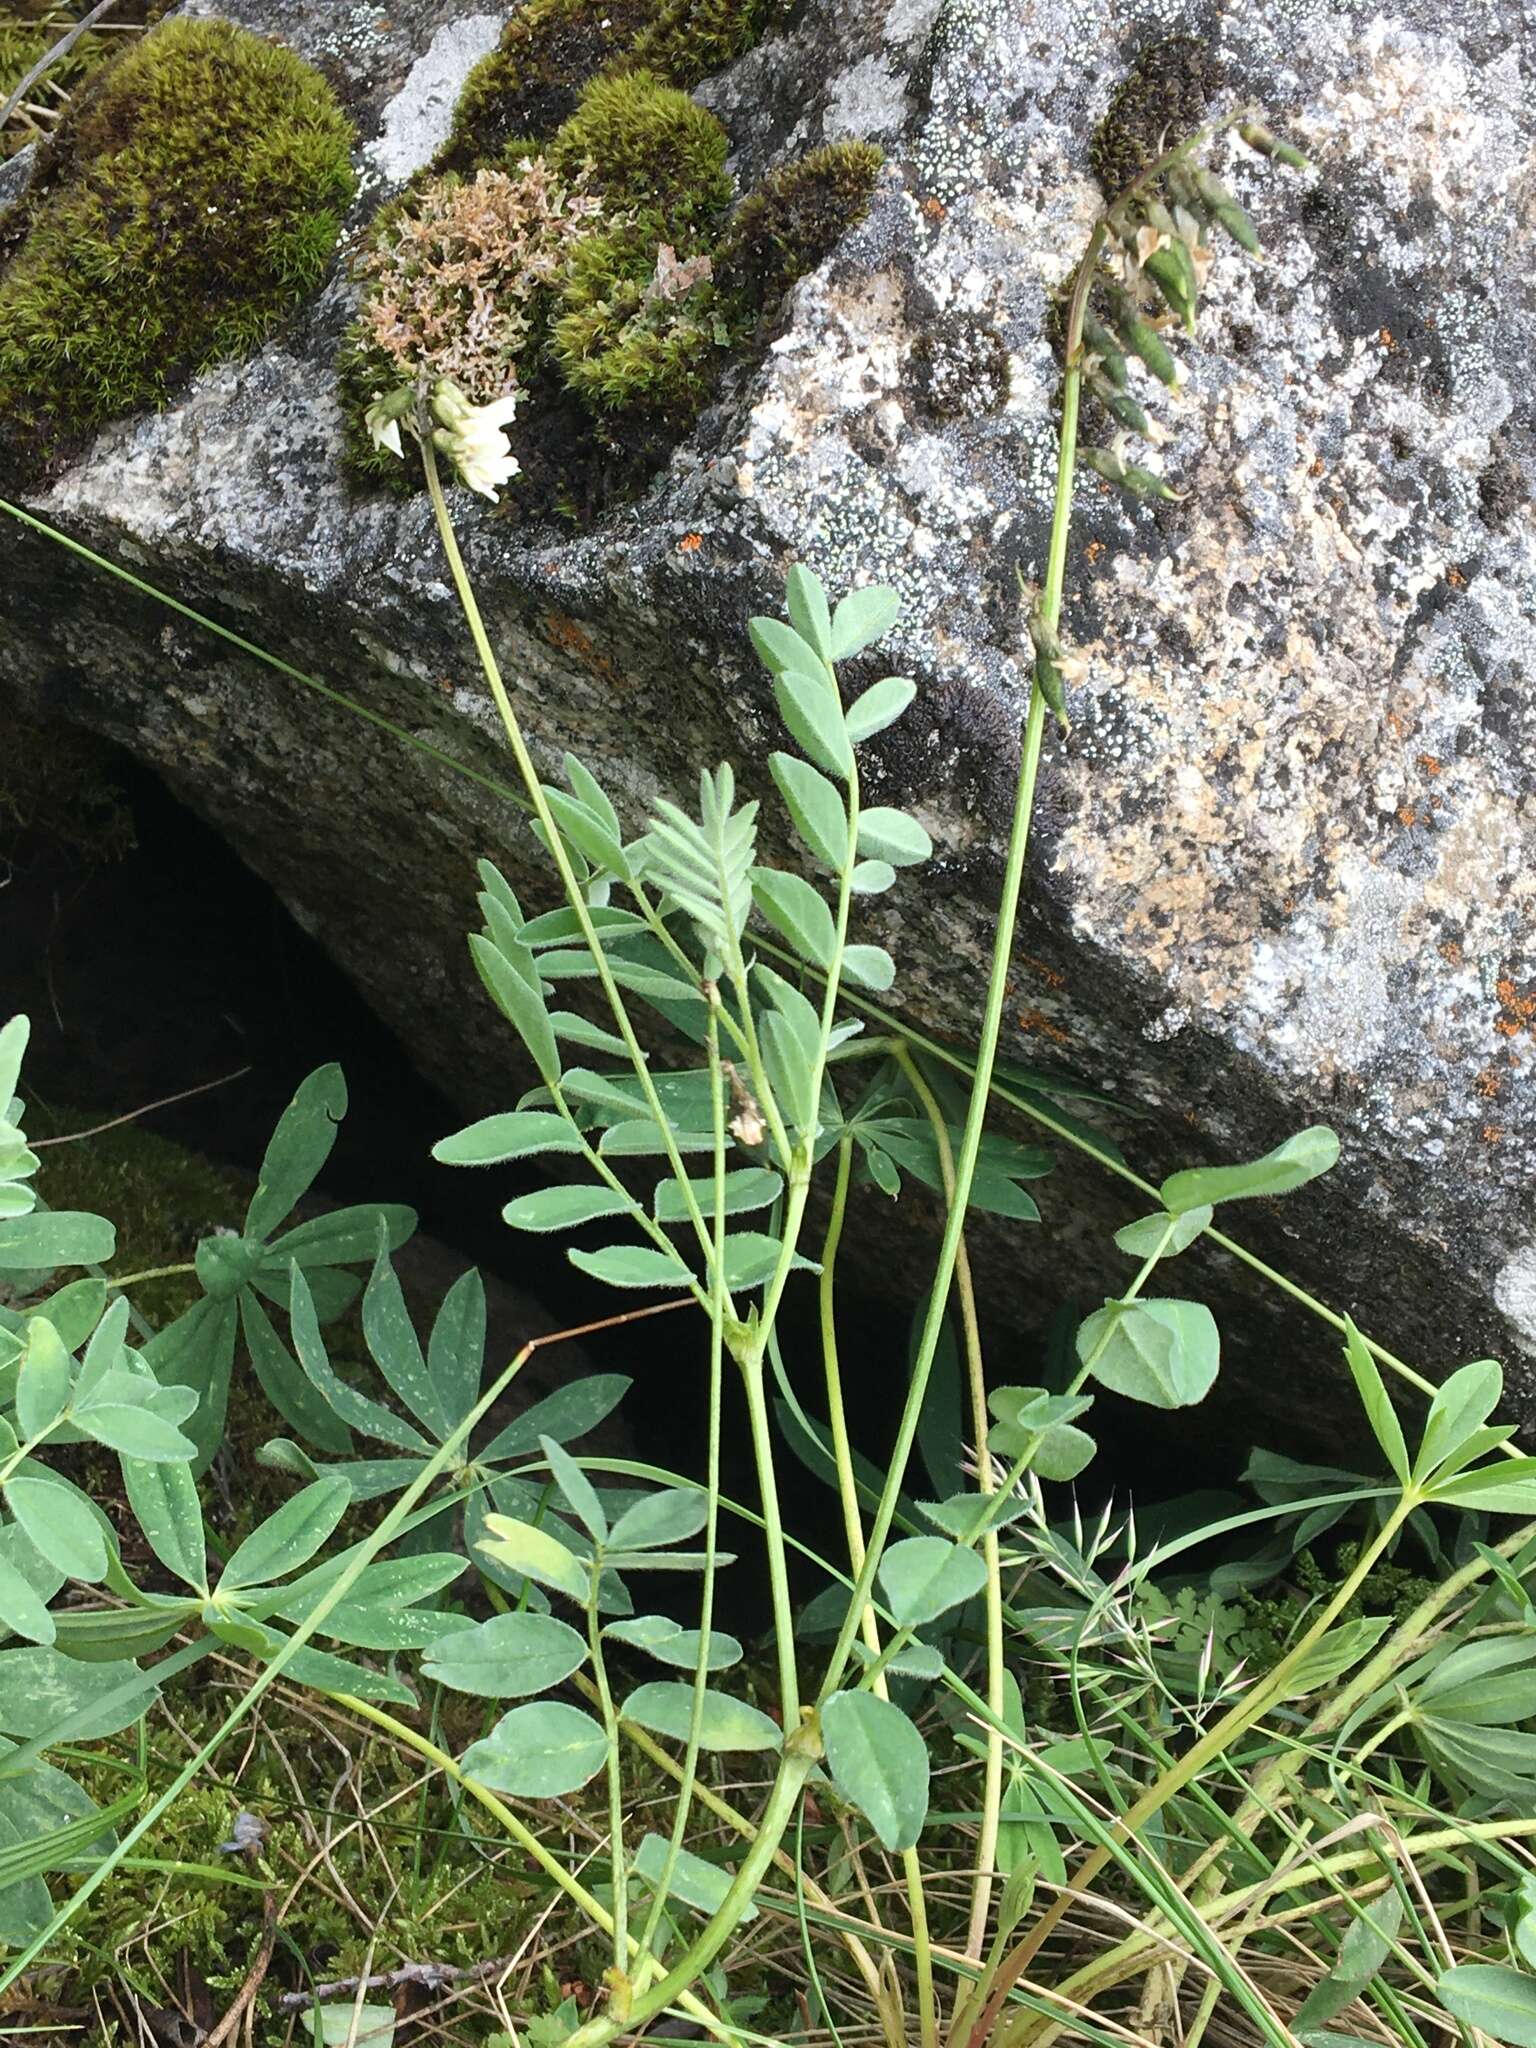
[[1316, 468], [1517, 1012], [690, 543], [1397, 725], [1388, 340], [1456, 578], [1492, 1133], [1046, 972], [934, 209], [564, 632], [1094, 549], [1451, 953], [1407, 815], [1488, 1084], [1430, 765], [1039, 1025]]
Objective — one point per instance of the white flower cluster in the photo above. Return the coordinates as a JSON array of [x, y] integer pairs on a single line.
[[473, 437]]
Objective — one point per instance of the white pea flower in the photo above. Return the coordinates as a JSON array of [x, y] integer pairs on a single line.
[[474, 439], [382, 419]]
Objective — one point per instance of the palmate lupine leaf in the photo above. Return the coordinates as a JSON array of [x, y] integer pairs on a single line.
[[705, 867]]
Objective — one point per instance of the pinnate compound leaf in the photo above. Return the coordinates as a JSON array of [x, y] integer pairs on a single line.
[[507, 1657], [880, 705], [1495, 1999], [879, 1762], [693, 1881], [520, 1002], [1291, 1165], [1149, 1234], [564, 1208], [807, 602], [923, 1577], [1165, 1353], [893, 836], [515, 1134], [541, 1751], [665, 1707], [632, 1265], [869, 967], [1375, 1400], [670, 1643], [863, 616], [813, 716], [816, 806], [534, 1554], [797, 909]]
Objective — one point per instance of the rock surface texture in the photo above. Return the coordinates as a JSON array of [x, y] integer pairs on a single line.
[[1286, 864]]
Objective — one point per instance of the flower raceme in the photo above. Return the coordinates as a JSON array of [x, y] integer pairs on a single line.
[[473, 437]]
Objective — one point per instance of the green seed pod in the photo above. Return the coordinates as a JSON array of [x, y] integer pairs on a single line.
[[1143, 340], [1262, 139], [1225, 209], [1119, 404], [1049, 682], [1184, 190], [1145, 483], [1171, 270], [1048, 677], [1102, 344], [1103, 462]]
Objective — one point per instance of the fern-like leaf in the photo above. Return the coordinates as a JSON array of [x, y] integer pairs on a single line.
[[705, 867]]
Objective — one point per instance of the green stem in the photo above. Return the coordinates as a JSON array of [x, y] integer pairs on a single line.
[[997, 987], [149, 1273], [617, 1859], [712, 1513], [574, 893], [798, 1763], [773, 1532], [986, 1481]]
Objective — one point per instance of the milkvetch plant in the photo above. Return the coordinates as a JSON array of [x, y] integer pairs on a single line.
[[703, 1031]]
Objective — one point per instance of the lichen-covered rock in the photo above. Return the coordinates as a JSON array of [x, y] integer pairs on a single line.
[[1286, 863]]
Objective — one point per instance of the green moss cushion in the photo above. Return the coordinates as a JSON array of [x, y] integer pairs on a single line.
[[191, 198]]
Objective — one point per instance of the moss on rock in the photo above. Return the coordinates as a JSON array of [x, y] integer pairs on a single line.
[[656, 291], [645, 144], [191, 198], [1163, 98], [794, 219]]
